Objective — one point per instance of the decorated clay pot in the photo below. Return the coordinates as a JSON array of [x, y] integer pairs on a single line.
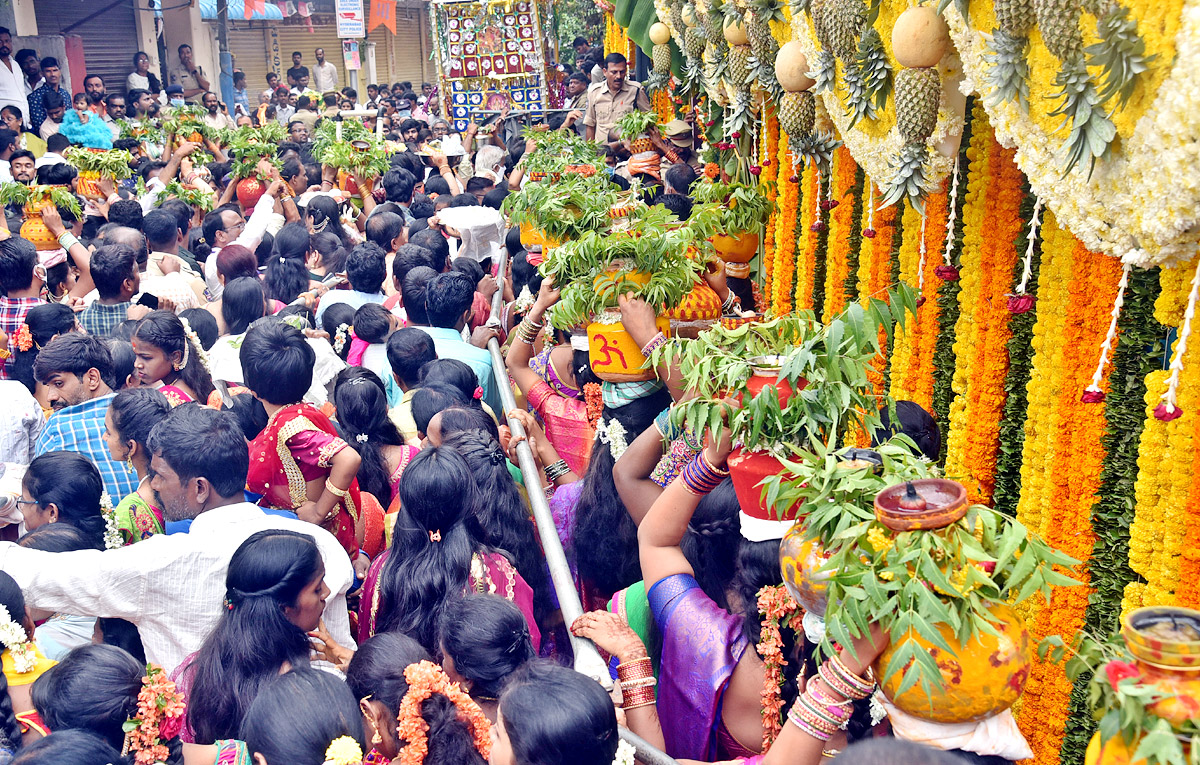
[[801, 560], [195, 137], [764, 373], [696, 312], [747, 469], [531, 237], [88, 185], [736, 248], [641, 145], [35, 230], [615, 356], [1165, 643], [980, 679], [930, 503], [347, 184], [620, 276], [249, 191]]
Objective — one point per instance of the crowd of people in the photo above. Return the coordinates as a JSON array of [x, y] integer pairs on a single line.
[[265, 504]]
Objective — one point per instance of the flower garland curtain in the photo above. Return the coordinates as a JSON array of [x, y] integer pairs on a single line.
[[1063, 457]]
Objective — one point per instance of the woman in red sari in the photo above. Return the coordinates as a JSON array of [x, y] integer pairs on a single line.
[[298, 462], [168, 356], [434, 557]]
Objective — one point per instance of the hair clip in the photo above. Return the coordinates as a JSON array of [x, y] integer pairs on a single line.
[[435, 536], [478, 394], [362, 438]]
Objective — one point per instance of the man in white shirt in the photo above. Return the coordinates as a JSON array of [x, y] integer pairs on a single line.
[[224, 227], [214, 117], [324, 74], [12, 79], [172, 585]]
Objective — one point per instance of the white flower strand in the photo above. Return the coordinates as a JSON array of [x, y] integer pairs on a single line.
[[16, 640], [1109, 338], [1027, 267], [625, 754], [953, 215], [921, 264], [112, 531], [817, 202], [1185, 331], [870, 204]]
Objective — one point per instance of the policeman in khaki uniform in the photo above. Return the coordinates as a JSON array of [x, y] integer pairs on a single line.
[[612, 99]]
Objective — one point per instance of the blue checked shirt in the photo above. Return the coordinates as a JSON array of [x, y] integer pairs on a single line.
[[80, 428], [99, 319], [37, 104]]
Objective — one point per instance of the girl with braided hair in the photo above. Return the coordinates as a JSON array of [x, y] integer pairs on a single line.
[[168, 356], [274, 595]]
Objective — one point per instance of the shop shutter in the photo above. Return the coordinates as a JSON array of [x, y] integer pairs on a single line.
[[407, 62], [109, 38], [250, 47], [295, 35]]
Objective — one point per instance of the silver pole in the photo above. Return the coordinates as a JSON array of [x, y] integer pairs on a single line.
[[587, 658]]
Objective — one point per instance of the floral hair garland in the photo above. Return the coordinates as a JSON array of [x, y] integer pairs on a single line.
[[160, 709], [625, 754], [343, 750], [112, 532], [425, 679], [613, 434], [17, 642], [777, 608], [194, 339], [24, 338], [340, 335]]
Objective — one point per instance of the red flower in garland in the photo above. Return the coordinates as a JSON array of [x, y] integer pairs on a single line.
[[1092, 397], [1161, 412], [818, 227], [1018, 304], [869, 233], [946, 273], [1116, 671]]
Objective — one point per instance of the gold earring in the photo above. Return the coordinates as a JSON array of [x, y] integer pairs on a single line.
[[129, 465]]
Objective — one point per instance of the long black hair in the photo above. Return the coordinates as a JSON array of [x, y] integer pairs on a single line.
[[253, 638], [12, 599], [285, 278], [430, 557], [377, 670], [333, 252], [298, 714], [488, 639], [338, 317], [323, 211], [45, 321], [556, 716], [712, 541], [165, 331], [502, 522], [70, 482], [361, 403], [135, 412], [605, 537], [242, 304], [95, 688]]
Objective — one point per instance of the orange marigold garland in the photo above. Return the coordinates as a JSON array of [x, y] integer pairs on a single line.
[[767, 170], [785, 233], [982, 334], [593, 399], [425, 679], [23, 338], [160, 709], [806, 249], [777, 608], [1066, 453], [843, 175]]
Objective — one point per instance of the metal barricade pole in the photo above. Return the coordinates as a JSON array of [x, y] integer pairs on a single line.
[[587, 658]]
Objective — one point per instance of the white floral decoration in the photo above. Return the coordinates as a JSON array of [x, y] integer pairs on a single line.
[[339, 338], [17, 642], [524, 301], [613, 434], [875, 156], [1140, 205], [190, 335], [878, 711], [625, 754], [112, 532]]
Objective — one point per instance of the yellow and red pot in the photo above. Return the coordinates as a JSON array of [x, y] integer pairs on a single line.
[[800, 560], [1170, 663], [979, 679], [35, 230], [740, 247], [614, 355], [249, 191]]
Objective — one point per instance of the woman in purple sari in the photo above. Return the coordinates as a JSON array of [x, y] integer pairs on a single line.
[[434, 557]]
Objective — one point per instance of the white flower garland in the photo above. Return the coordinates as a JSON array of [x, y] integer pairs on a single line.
[[612, 433], [112, 532], [625, 754], [16, 640], [1140, 205], [191, 338], [1111, 336], [873, 155]]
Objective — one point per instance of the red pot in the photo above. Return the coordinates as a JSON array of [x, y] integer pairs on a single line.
[[747, 469], [249, 191], [765, 374]]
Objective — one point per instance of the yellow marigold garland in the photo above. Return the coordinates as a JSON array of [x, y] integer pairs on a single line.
[[768, 146], [785, 230], [661, 102], [982, 333], [1187, 594], [806, 249], [874, 278], [1065, 455], [839, 222], [1165, 484]]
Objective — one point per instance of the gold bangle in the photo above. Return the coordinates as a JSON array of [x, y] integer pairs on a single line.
[[343, 493], [830, 753], [5, 354]]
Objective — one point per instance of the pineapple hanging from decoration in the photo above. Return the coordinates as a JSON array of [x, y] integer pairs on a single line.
[[1009, 72], [844, 21], [1091, 132], [918, 47], [739, 52], [660, 36], [762, 43], [1119, 53], [798, 106]]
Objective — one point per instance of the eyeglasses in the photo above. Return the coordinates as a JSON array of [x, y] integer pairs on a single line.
[[27, 502], [235, 227]]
